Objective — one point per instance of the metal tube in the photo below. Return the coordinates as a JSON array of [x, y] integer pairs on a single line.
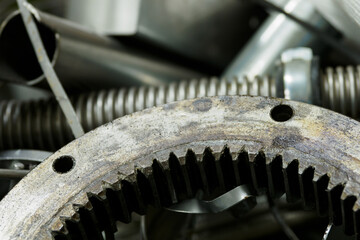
[[257, 58], [82, 59], [48, 70], [13, 173], [202, 31]]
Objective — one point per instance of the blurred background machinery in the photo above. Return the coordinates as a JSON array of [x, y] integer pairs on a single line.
[[117, 57]]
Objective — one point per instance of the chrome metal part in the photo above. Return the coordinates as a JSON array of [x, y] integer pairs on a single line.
[[297, 74], [259, 223], [143, 234], [13, 173], [164, 155], [15, 164], [240, 197], [344, 15], [200, 30], [82, 59], [257, 58], [22, 92], [112, 17], [23, 155], [44, 127], [327, 231], [48, 70]]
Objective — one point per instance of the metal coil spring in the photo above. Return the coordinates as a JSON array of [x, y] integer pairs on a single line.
[[41, 124], [340, 90]]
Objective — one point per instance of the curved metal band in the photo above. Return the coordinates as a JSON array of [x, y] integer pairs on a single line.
[[325, 145]]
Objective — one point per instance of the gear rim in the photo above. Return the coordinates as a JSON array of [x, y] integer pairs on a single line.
[[291, 139]]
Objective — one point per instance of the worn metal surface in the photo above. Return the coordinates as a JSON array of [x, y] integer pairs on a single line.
[[44, 127], [214, 144]]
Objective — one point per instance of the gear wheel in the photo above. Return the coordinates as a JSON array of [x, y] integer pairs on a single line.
[[163, 155]]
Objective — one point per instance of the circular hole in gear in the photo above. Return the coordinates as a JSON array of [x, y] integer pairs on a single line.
[[63, 164], [281, 113]]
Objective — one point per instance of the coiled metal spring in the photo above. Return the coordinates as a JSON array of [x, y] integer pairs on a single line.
[[340, 90], [41, 124]]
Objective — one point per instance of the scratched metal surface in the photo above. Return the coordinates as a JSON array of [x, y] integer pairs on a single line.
[[322, 141]]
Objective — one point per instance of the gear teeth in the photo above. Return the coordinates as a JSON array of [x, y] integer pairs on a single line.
[[219, 173], [76, 229], [66, 229], [171, 188], [209, 174], [146, 189], [109, 212], [149, 187], [161, 184], [356, 219], [158, 200], [321, 199], [243, 167], [101, 213], [258, 172], [133, 200], [307, 188], [235, 166], [347, 203], [275, 175], [62, 233], [90, 223], [142, 205], [61, 236], [226, 169], [193, 170], [69, 223], [291, 181], [180, 183], [335, 212], [116, 197], [117, 201], [187, 179]]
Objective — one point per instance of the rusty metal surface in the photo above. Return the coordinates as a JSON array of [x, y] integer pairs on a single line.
[[309, 157]]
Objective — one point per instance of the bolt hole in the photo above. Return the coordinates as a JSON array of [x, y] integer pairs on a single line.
[[281, 113], [63, 164]]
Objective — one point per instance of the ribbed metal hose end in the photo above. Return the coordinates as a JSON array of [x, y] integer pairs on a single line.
[[41, 124], [340, 89]]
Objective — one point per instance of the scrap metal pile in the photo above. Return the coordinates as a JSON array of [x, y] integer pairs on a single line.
[[134, 119]]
